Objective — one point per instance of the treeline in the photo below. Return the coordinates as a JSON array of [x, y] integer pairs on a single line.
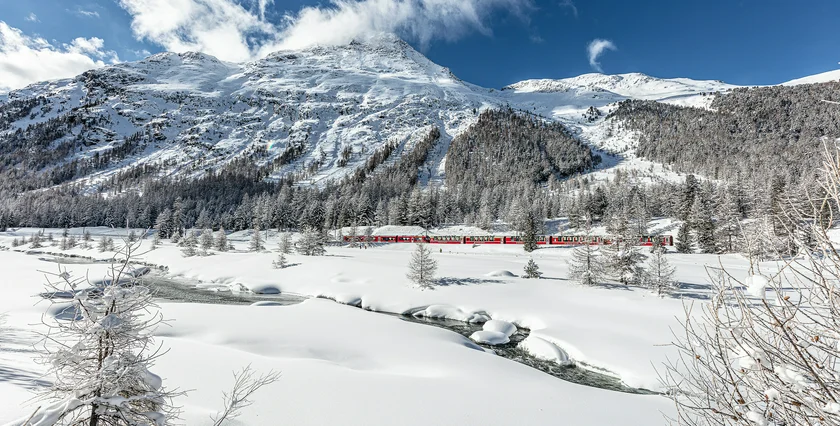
[[764, 132]]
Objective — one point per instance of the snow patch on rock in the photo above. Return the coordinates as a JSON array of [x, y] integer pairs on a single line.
[[544, 350], [492, 338]]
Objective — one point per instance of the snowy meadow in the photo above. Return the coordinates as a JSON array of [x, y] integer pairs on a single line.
[[347, 353]]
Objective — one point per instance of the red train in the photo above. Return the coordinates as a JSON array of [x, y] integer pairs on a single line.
[[569, 240]]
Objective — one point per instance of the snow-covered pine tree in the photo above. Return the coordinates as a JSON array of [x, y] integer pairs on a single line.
[[189, 243], [256, 243], [104, 244], [586, 265], [156, 240], [659, 274], [285, 245], [532, 270], [175, 236], [685, 243], [163, 223], [353, 236], [101, 370], [369, 236], [221, 242], [311, 242], [35, 241], [281, 261], [206, 241], [529, 234], [623, 258], [702, 222], [422, 267], [729, 219]]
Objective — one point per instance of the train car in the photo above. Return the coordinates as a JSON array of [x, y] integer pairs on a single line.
[[449, 239], [483, 239], [541, 239]]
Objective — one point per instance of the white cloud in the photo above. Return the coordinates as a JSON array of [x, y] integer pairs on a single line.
[[419, 20], [25, 59], [229, 31], [87, 13], [595, 49], [571, 5], [32, 17]]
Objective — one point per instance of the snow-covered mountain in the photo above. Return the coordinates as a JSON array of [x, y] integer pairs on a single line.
[[632, 85], [315, 114]]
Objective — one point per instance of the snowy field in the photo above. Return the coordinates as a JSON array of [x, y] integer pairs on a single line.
[[344, 365]]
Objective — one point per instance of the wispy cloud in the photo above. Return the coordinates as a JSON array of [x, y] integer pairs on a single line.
[[230, 31], [87, 13], [25, 59], [571, 5], [32, 17], [595, 49]]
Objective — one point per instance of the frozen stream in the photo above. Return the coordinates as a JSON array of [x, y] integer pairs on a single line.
[[173, 289]]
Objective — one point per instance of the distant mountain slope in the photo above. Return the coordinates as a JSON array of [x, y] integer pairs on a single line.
[[816, 78]]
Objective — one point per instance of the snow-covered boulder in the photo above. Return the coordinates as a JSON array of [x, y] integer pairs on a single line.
[[265, 289], [500, 326], [544, 350], [492, 338]]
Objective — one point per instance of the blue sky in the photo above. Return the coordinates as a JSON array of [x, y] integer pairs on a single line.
[[488, 42]]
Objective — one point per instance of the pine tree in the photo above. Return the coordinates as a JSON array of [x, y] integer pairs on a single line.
[[729, 218], [35, 241], [256, 243], [132, 236], [221, 242], [684, 240], [659, 274], [280, 262], [702, 222], [163, 223], [189, 243], [623, 257], [175, 237], [311, 243], [156, 240], [422, 268], [104, 244], [353, 236], [586, 266], [369, 236], [285, 245], [529, 236], [206, 241], [532, 270]]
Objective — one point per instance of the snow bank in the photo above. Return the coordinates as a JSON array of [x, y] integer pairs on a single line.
[[452, 313], [544, 350], [500, 326], [492, 338]]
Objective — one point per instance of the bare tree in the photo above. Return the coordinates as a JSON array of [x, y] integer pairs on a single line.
[[245, 384], [765, 350]]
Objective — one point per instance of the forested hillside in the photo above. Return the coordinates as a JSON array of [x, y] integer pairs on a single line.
[[764, 131], [504, 147]]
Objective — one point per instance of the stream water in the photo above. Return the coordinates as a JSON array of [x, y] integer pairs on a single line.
[[172, 289]]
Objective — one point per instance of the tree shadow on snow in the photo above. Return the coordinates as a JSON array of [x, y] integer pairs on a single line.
[[451, 281], [692, 291]]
